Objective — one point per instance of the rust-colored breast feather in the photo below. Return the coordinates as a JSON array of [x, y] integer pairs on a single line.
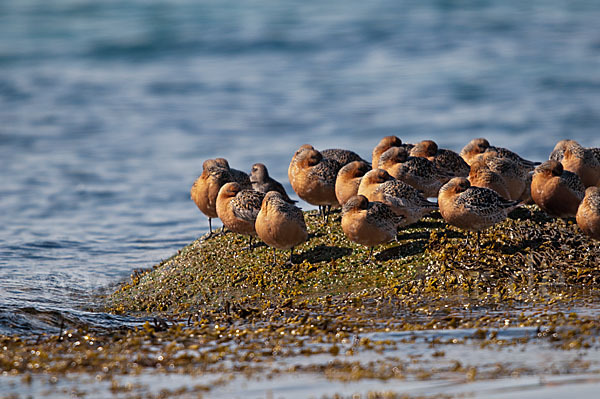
[[205, 190], [316, 184], [372, 226], [346, 188], [239, 213], [348, 180], [554, 196], [280, 224], [588, 213]]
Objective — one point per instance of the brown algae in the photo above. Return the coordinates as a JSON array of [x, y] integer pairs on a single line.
[[220, 309]]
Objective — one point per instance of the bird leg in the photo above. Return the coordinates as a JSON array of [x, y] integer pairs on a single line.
[[291, 260], [274, 257], [370, 255], [250, 247], [325, 213], [210, 231]]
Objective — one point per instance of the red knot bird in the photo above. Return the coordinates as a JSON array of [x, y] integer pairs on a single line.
[[238, 208], [369, 223], [237, 175], [472, 208], [482, 176], [443, 159], [405, 200], [579, 160], [280, 224], [205, 189], [313, 178], [516, 176], [262, 182], [480, 145], [556, 191]]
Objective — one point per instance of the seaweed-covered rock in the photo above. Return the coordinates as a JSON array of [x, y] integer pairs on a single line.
[[529, 257]]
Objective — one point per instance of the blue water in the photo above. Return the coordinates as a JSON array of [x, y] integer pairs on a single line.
[[108, 108]]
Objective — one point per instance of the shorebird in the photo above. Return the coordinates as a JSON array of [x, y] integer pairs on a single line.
[[205, 189], [280, 224], [262, 182], [556, 191], [443, 159], [385, 144], [313, 178], [348, 179], [369, 223], [480, 145], [516, 176], [579, 160], [238, 208], [482, 176], [343, 157], [405, 200], [588, 213], [419, 172], [472, 208]]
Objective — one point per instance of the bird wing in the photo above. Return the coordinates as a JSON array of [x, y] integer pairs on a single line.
[[481, 200], [381, 214], [326, 170], [246, 204], [402, 194], [573, 183]]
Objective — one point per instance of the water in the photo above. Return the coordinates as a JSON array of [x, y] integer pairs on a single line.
[[107, 110]]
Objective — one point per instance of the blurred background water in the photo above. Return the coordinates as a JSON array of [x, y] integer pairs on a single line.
[[108, 108]]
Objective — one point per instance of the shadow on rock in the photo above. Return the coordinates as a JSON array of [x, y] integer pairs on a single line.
[[323, 253]]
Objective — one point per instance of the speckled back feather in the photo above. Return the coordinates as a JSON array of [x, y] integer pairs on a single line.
[[246, 204], [326, 171], [401, 194], [483, 201], [573, 182], [382, 216], [506, 153], [450, 162], [343, 157]]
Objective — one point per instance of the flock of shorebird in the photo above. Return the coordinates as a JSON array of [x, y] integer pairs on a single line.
[[475, 189]]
